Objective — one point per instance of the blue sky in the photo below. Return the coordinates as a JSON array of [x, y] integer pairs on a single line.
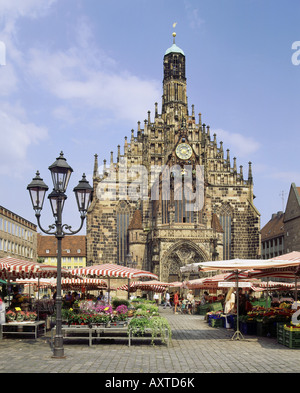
[[80, 74]]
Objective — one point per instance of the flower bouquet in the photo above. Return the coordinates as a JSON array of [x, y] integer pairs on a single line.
[[19, 314], [10, 316], [32, 316]]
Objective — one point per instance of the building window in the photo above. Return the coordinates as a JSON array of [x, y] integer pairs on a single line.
[[225, 220], [183, 200], [122, 231]]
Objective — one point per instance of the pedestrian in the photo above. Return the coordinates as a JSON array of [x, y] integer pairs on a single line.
[[190, 299], [229, 306], [205, 298], [167, 300], [156, 298], [176, 301], [229, 301]]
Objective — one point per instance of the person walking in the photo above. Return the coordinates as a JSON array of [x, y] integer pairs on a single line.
[[176, 302], [191, 301], [167, 300]]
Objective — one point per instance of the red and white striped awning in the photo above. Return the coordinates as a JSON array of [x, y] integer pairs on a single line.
[[113, 271], [43, 282], [275, 285], [13, 268], [88, 283], [66, 283], [177, 284], [144, 286], [206, 282]]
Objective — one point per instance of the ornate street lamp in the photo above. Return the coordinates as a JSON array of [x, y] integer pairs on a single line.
[[60, 172]]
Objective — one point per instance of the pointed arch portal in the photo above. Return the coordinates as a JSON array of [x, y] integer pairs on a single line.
[[180, 254]]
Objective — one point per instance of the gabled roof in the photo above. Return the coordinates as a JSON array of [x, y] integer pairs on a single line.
[[71, 243], [215, 223], [292, 209], [273, 228], [137, 221]]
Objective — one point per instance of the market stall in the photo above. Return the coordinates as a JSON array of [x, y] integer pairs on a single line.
[[237, 266], [12, 269], [151, 286], [110, 271]]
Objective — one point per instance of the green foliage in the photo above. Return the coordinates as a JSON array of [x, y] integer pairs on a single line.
[[149, 307], [157, 327], [118, 302]]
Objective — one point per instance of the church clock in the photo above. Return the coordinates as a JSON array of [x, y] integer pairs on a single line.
[[183, 151]]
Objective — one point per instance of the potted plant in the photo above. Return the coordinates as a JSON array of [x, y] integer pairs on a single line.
[[32, 316], [10, 316], [155, 326], [19, 314]]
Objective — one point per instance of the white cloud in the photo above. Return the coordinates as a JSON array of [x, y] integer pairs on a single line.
[[13, 9], [17, 135], [195, 21], [8, 80], [92, 81], [241, 146], [286, 176]]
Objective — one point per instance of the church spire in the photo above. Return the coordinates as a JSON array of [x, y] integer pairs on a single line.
[[96, 174], [174, 100]]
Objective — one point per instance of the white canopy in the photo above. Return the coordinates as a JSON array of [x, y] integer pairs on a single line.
[[286, 260]]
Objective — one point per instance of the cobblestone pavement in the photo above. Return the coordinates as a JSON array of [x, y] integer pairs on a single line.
[[195, 348]]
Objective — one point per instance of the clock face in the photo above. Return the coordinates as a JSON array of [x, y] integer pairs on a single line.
[[184, 151]]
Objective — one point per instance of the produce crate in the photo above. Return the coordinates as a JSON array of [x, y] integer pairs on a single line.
[[216, 306], [231, 319], [262, 329], [280, 333], [261, 303], [248, 328], [202, 310], [216, 322], [291, 338]]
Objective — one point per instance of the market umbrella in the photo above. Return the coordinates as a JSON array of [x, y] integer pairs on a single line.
[[205, 282], [285, 266], [88, 283], [177, 284], [134, 286], [113, 271], [12, 269], [152, 286], [238, 265]]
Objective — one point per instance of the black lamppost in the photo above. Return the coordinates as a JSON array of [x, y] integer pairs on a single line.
[[60, 172]]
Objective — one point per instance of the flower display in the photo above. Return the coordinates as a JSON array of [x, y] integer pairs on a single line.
[[10, 316], [122, 309]]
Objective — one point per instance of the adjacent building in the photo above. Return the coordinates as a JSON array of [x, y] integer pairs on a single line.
[[272, 237], [292, 220], [163, 228], [73, 251], [18, 236]]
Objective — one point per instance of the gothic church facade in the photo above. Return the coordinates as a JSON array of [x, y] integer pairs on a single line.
[[162, 234]]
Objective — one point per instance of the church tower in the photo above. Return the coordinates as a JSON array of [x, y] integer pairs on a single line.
[[174, 99]]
